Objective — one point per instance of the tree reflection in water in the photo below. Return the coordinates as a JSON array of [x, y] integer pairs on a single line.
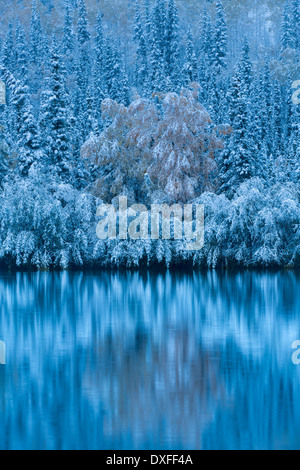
[[128, 360]]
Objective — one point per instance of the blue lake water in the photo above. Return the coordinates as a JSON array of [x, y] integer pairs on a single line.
[[149, 361]]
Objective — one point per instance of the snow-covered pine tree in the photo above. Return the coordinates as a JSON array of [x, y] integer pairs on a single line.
[[257, 106], [115, 75], [100, 52], [36, 39], [265, 110], [212, 98], [38, 50], [158, 78], [241, 82], [191, 64], [4, 154], [141, 66], [220, 47], [205, 72], [83, 34], [83, 71], [147, 25], [8, 50], [55, 119], [276, 118], [246, 69], [238, 161], [294, 147], [22, 59], [288, 29], [68, 32], [124, 86], [296, 22], [99, 70], [172, 56], [159, 21], [207, 38], [25, 126]]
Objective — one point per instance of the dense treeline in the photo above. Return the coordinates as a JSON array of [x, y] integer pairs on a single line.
[[178, 118]]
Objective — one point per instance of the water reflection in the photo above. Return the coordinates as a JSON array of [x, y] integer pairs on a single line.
[[2, 353], [164, 361]]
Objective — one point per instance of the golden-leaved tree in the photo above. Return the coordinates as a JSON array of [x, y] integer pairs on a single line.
[[168, 141]]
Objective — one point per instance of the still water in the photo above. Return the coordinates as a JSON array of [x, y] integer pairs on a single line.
[[149, 361]]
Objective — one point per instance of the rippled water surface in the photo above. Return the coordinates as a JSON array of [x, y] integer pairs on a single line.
[[149, 361]]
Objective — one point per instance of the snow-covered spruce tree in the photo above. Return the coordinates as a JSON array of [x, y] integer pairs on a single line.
[[124, 86], [266, 107], [287, 110], [83, 34], [158, 77], [191, 64], [255, 108], [83, 81], [241, 82], [83, 75], [115, 75], [238, 161], [261, 120], [296, 22], [222, 105], [36, 39], [147, 26], [212, 97], [99, 77], [277, 118], [141, 67], [8, 50], [108, 67], [207, 38], [91, 121], [158, 74], [24, 122], [54, 119], [22, 58], [220, 47], [68, 41], [4, 155], [288, 28], [246, 69], [83, 58], [100, 43], [159, 24], [86, 119], [78, 129], [172, 56], [293, 166], [38, 51], [206, 73]]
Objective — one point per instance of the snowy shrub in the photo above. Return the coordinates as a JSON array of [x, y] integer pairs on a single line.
[[45, 225]]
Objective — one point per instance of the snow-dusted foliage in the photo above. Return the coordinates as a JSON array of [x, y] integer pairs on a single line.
[[171, 139], [45, 225], [258, 227], [158, 109], [48, 225]]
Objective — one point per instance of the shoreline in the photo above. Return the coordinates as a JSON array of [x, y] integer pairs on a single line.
[[156, 269]]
